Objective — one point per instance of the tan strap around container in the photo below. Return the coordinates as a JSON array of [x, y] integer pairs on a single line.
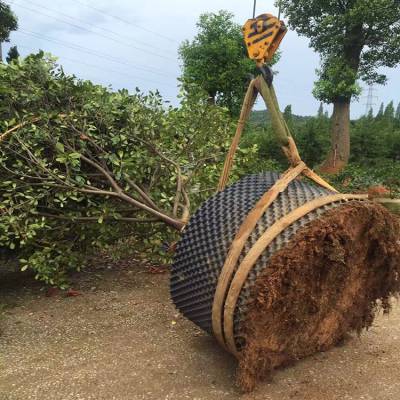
[[255, 252], [249, 100], [239, 242]]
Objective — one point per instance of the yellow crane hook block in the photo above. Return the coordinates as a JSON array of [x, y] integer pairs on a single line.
[[262, 36]]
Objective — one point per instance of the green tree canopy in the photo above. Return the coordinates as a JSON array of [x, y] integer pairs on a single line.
[[8, 22], [379, 115], [320, 110], [354, 38], [397, 114], [288, 116], [216, 60], [12, 54], [389, 112]]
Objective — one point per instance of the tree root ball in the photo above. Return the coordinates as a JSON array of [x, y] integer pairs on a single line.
[[331, 280]]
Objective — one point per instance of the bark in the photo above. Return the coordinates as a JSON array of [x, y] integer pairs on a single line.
[[212, 98], [338, 156], [339, 153]]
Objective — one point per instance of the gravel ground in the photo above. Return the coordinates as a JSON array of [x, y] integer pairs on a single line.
[[122, 339]]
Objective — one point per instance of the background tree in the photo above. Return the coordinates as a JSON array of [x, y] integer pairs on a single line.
[[354, 38], [8, 23], [380, 112], [320, 110], [397, 115], [288, 115], [216, 60], [389, 112], [12, 54]]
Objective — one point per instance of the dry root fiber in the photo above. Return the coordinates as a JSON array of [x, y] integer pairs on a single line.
[[332, 279]]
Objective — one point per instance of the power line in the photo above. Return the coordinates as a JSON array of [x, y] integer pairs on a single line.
[[92, 25], [125, 21], [88, 51], [96, 33], [104, 69]]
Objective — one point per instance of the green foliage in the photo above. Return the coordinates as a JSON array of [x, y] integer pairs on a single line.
[[365, 145], [397, 114], [355, 38], [375, 159], [288, 116], [88, 166], [260, 118], [12, 54], [359, 177], [337, 81], [389, 112], [216, 60], [309, 133], [313, 140], [8, 22], [321, 110], [379, 115]]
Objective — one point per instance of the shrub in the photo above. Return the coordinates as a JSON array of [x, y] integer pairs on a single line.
[[82, 166]]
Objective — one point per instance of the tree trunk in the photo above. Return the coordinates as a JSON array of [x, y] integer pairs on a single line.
[[339, 155], [212, 98]]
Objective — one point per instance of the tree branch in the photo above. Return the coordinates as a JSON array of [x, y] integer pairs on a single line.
[[142, 193], [113, 183], [180, 191], [4, 135], [93, 219]]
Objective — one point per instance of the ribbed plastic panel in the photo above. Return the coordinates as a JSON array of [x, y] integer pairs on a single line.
[[202, 250]]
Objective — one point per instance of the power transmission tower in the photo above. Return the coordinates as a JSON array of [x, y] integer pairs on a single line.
[[369, 105]]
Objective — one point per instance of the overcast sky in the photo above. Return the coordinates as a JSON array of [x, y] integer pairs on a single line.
[[133, 43]]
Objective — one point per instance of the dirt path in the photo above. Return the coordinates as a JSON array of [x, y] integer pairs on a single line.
[[123, 340]]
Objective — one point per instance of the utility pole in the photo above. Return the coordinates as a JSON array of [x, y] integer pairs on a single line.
[[370, 99]]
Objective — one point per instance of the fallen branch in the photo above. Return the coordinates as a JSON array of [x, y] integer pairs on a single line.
[[94, 219], [142, 193], [4, 135], [180, 190], [119, 193]]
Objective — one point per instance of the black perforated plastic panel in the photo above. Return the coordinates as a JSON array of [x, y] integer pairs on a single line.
[[202, 250]]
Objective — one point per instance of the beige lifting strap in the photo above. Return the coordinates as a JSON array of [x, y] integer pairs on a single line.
[[284, 137], [248, 103], [231, 279]]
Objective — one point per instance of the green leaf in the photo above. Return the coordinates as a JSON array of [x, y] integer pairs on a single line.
[[74, 155], [60, 147]]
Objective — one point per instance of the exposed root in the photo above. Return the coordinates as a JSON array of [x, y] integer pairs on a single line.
[[332, 279]]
